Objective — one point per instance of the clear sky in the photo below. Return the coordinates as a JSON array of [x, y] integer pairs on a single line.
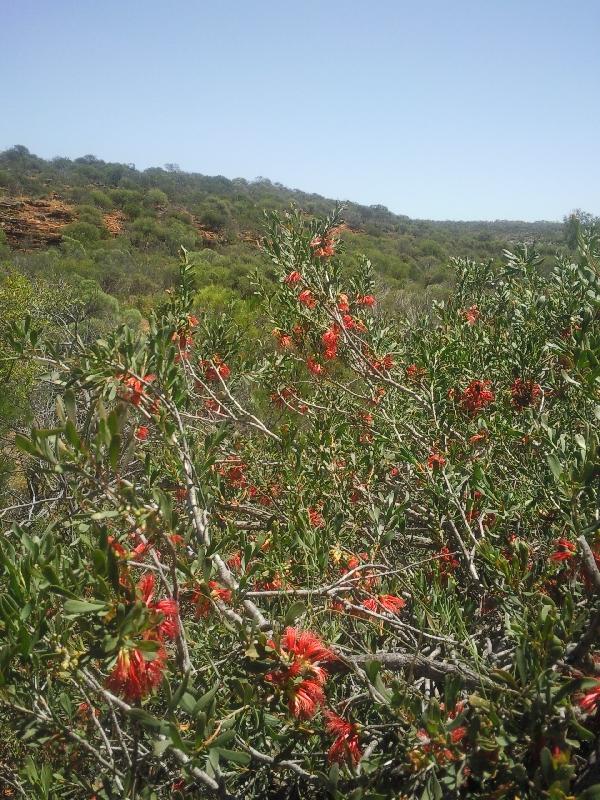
[[479, 109]]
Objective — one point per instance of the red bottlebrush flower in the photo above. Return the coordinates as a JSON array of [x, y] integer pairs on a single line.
[[307, 298], [134, 676], [301, 676], [322, 246], [392, 603], [167, 607], [590, 700], [220, 368], [564, 550], [435, 460], [378, 396], [342, 303], [394, 472], [414, 373], [293, 277], [134, 389], [366, 417], [213, 406], [366, 300], [117, 547], [355, 561], [307, 649], [330, 342], [370, 604], [235, 562], [524, 393], [447, 561], [272, 585], [471, 315], [458, 734], [345, 747], [142, 433], [192, 320], [305, 697], [284, 340], [202, 596], [181, 493], [315, 518], [314, 366], [477, 395], [387, 602], [232, 469], [477, 437]]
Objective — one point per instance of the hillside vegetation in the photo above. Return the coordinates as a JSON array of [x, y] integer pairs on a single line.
[[352, 556], [122, 228]]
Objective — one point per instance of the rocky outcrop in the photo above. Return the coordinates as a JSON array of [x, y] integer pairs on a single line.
[[30, 223]]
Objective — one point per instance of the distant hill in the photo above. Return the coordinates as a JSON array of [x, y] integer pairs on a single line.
[[122, 227]]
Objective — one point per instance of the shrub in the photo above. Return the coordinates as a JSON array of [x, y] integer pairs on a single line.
[[356, 560]]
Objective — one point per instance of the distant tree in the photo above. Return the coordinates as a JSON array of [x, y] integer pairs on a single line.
[[576, 222]]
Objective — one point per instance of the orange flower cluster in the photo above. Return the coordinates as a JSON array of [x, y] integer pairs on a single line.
[[301, 677], [346, 746], [134, 390], [476, 396], [471, 315], [322, 246], [525, 393], [201, 598], [215, 369], [137, 672]]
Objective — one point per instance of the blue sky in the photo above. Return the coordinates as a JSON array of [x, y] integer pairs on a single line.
[[443, 110]]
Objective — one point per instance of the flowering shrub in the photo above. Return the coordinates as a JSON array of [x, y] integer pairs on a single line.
[[357, 559]]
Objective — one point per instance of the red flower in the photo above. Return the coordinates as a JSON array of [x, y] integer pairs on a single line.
[[343, 304], [435, 460], [322, 246], [141, 433], [524, 393], [458, 734], [471, 315], [330, 342], [301, 676], [116, 546], [414, 373], [284, 340], [447, 562], [212, 373], [392, 603], [133, 676], [590, 700], [366, 300], [133, 389], [477, 437], [293, 277], [345, 746], [307, 298], [564, 550], [201, 597], [235, 562], [167, 607], [314, 366], [387, 602], [315, 518], [476, 396]]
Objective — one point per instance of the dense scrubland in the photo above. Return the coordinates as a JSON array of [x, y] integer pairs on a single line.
[[309, 523]]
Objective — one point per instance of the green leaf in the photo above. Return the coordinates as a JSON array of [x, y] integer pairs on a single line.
[[294, 611], [555, 466], [591, 793], [236, 756], [76, 607]]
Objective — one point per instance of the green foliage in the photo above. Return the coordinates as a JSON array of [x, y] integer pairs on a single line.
[[418, 495]]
